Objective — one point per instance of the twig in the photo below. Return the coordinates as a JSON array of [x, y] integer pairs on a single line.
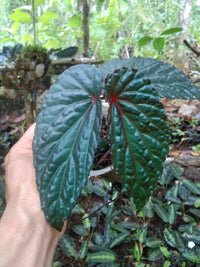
[[191, 48]]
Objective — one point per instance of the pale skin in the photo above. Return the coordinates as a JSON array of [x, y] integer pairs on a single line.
[[26, 238]]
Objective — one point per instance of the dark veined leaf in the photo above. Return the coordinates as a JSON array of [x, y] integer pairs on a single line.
[[138, 132], [192, 187], [172, 214], [159, 43], [193, 236], [193, 254], [154, 254], [101, 257], [66, 136], [191, 200], [161, 212], [186, 228], [173, 239], [153, 242], [78, 209], [165, 78], [80, 229], [195, 212], [118, 239], [67, 52], [184, 193], [170, 237], [100, 248], [148, 208], [172, 194], [172, 30], [144, 40], [98, 238], [128, 225], [84, 248], [68, 247]]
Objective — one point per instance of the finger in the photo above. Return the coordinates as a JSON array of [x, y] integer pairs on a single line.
[[27, 137], [23, 146]]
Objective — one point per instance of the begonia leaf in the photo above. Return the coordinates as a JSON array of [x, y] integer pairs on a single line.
[[138, 132], [66, 136]]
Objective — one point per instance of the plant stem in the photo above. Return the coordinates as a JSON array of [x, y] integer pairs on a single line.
[[33, 20]]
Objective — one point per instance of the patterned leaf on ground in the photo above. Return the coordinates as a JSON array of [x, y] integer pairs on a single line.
[[68, 246], [101, 257], [166, 79], [138, 132], [66, 136]]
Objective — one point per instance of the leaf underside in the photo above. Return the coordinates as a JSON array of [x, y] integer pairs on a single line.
[[168, 81], [66, 136], [138, 132]]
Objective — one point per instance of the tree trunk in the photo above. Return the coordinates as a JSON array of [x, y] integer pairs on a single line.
[[133, 17], [86, 27], [33, 20], [183, 21]]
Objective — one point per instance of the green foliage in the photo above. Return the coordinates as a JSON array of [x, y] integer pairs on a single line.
[[179, 246], [67, 132], [76, 112], [19, 16], [115, 23], [159, 42]]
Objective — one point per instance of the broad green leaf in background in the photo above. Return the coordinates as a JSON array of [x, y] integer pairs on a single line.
[[172, 30], [138, 132], [66, 136], [67, 52], [168, 81], [159, 43], [74, 21], [20, 17], [15, 26], [37, 3], [47, 16], [144, 40]]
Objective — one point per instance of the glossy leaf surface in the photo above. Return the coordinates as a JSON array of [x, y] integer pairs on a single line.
[[66, 136], [138, 132], [168, 81]]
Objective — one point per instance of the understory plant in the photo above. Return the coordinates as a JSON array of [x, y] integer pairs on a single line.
[[68, 128], [165, 232]]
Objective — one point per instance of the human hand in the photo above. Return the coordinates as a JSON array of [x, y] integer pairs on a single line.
[[23, 210]]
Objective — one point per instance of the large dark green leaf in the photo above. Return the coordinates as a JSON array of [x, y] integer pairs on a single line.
[[166, 79], [67, 52], [65, 139], [138, 132]]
